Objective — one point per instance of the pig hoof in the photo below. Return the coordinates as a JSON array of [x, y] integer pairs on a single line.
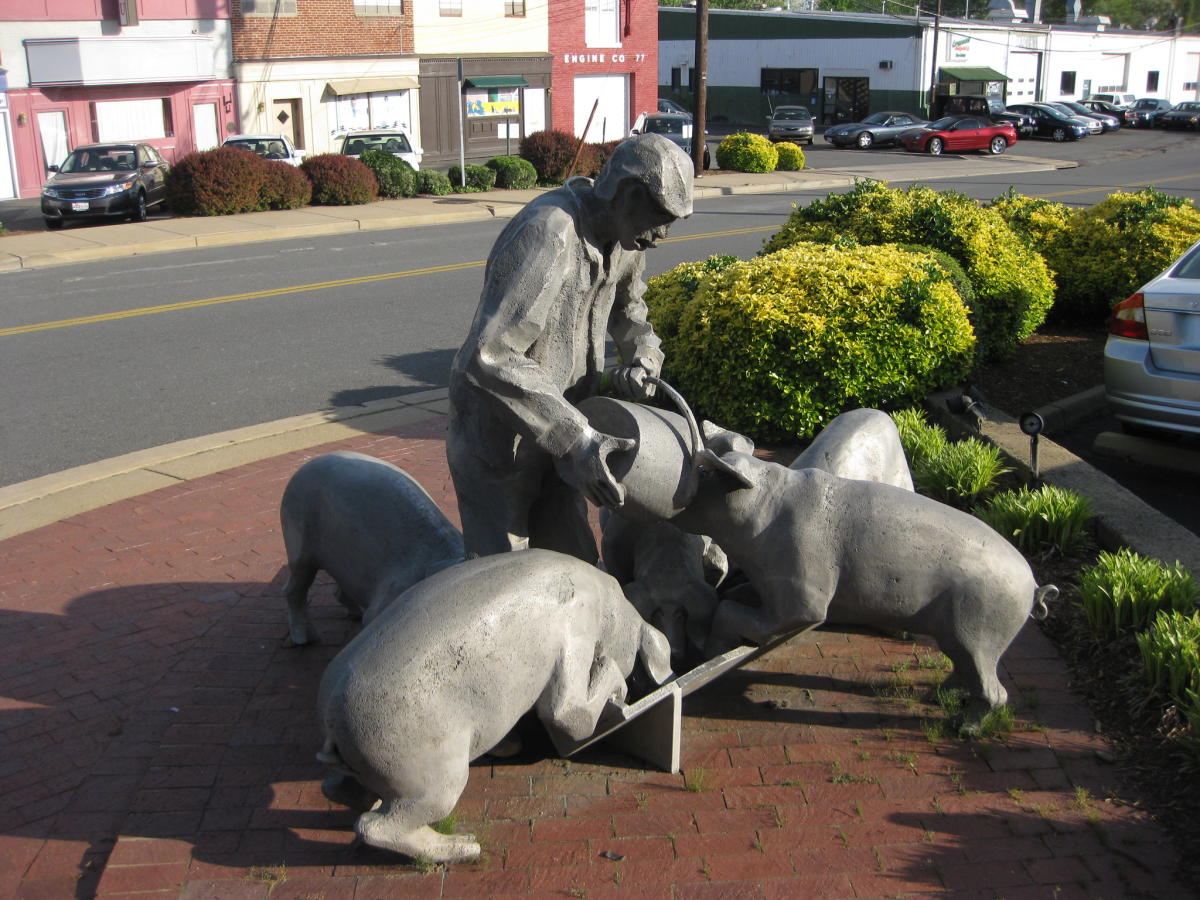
[[419, 843]]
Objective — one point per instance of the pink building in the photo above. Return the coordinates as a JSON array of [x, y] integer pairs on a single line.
[[82, 71], [604, 58]]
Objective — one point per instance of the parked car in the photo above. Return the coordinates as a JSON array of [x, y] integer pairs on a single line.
[[1124, 113], [1142, 113], [955, 133], [876, 129], [670, 106], [1094, 125], [105, 181], [791, 123], [984, 106], [1051, 123], [268, 146], [395, 142], [1107, 122], [1118, 99], [1182, 115], [672, 126], [1152, 356]]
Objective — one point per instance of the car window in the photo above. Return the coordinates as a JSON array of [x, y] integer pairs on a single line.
[[876, 119], [389, 143], [943, 124], [656, 125], [792, 112]]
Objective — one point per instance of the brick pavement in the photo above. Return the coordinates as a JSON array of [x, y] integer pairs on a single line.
[[159, 742]]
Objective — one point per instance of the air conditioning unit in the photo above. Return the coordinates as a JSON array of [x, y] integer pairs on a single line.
[[885, 64]]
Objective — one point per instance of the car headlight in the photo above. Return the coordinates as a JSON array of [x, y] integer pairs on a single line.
[[118, 187], [49, 190]]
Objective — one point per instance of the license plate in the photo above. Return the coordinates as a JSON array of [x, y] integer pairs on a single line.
[[79, 207]]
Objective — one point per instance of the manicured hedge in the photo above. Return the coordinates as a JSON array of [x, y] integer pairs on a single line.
[[791, 157], [340, 180], [431, 181], [551, 152], [284, 186], [746, 152], [396, 177], [513, 172], [1012, 284], [479, 178], [218, 182], [776, 346]]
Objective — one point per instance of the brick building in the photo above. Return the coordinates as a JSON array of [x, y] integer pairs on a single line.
[[605, 56], [79, 71], [315, 69]]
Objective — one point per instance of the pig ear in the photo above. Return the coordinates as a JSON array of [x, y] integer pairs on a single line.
[[706, 459], [722, 440], [655, 652]]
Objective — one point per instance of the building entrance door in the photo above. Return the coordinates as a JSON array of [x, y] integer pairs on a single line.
[[287, 114], [846, 100], [611, 121], [204, 123]]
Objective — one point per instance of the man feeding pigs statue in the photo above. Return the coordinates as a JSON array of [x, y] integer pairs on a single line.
[[563, 273]]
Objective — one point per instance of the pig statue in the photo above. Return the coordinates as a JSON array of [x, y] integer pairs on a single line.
[[861, 443], [815, 547], [442, 675], [369, 525]]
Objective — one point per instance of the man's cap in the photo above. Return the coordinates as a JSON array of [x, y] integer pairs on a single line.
[[659, 164]]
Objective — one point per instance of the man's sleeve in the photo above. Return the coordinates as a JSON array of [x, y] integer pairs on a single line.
[[628, 325], [524, 279]]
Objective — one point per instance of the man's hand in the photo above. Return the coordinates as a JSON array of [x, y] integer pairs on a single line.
[[585, 467], [629, 382]]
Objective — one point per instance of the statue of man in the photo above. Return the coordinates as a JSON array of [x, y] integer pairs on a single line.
[[566, 271]]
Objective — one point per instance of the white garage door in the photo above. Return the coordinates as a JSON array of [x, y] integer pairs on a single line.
[[611, 121]]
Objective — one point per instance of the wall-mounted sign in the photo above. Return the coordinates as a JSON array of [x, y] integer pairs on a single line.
[[960, 46], [493, 102], [576, 59]]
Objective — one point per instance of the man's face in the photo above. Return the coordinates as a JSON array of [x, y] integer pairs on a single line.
[[640, 220]]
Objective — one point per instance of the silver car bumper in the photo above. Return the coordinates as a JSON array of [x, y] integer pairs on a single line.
[[1141, 394]]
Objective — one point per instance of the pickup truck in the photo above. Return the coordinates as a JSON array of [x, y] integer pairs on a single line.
[[989, 107], [268, 146]]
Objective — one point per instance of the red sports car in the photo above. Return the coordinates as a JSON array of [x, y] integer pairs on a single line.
[[954, 133]]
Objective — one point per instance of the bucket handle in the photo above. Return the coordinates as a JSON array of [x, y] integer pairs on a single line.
[[686, 412]]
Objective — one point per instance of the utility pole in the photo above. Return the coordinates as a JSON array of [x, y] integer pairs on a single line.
[[933, 82], [700, 86]]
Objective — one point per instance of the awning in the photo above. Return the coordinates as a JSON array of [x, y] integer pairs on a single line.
[[497, 81], [974, 73], [372, 85]]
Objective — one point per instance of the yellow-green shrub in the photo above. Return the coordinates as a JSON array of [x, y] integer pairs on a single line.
[[1108, 251], [1036, 221], [745, 152], [1012, 285], [777, 346], [791, 157]]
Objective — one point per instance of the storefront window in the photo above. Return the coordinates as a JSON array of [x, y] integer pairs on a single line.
[[132, 120], [493, 102], [601, 23]]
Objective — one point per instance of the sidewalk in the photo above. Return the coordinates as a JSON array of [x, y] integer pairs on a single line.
[[159, 740], [81, 243]]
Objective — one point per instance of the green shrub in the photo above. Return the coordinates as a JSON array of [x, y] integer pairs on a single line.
[[1012, 286], [1050, 519], [1036, 221], [284, 186], [1109, 250], [745, 152], [431, 181], [395, 176], [339, 180], [1170, 650], [791, 157], [962, 474], [513, 173], [479, 178], [919, 439], [218, 182], [551, 152], [1124, 591], [777, 346]]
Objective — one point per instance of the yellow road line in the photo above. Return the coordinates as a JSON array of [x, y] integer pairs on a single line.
[[1114, 187], [298, 289]]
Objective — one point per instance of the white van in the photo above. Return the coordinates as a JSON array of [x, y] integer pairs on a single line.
[[1116, 99]]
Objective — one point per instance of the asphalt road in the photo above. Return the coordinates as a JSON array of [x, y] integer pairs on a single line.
[[84, 392]]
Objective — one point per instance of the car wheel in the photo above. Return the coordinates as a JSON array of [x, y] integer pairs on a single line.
[[54, 224], [935, 146], [1059, 135], [865, 140], [139, 209], [998, 145]]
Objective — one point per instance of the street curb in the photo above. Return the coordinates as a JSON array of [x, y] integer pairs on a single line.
[[32, 504], [1070, 411], [1122, 519]]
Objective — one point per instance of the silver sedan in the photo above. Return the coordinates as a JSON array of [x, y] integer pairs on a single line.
[[1152, 357]]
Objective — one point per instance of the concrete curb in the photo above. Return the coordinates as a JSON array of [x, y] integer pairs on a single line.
[[1121, 517], [42, 501]]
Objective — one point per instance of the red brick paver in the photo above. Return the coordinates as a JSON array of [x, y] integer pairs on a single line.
[[159, 742]]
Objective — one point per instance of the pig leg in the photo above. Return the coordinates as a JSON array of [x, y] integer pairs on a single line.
[[346, 790], [295, 592], [975, 673], [579, 688], [418, 794]]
